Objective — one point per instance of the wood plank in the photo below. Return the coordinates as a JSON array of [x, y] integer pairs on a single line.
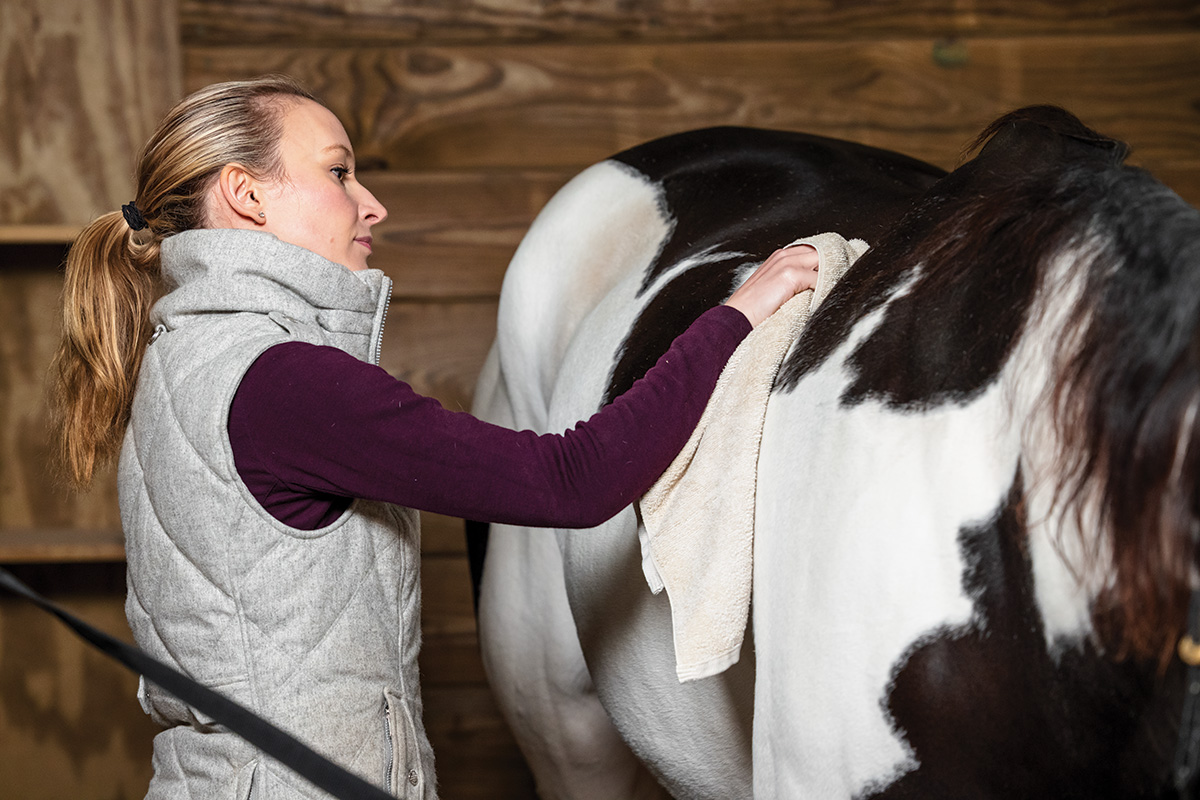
[[452, 660], [451, 234], [442, 535], [38, 234], [70, 723], [1182, 177], [31, 496], [450, 650], [60, 545], [439, 348], [416, 108], [354, 23], [84, 86], [446, 609], [477, 758], [72, 727], [476, 754]]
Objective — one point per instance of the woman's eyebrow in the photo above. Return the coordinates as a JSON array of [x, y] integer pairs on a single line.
[[346, 150]]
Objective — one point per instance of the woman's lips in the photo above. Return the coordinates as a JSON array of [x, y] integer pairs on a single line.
[[365, 241]]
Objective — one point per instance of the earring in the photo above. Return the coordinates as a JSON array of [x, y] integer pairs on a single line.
[[262, 214]]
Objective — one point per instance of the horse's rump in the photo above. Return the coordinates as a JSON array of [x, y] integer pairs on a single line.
[[941, 478]]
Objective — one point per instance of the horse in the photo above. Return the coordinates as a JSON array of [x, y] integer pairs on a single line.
[[977, 500]]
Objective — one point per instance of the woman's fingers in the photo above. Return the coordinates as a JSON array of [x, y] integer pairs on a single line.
[[785, 273]]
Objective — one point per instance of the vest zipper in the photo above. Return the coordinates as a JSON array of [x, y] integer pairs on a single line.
[[386, 299]]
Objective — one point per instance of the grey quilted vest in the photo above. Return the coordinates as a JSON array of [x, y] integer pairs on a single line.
[[317, 631]]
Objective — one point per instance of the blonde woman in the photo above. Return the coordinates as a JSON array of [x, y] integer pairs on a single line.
[[221, 332]]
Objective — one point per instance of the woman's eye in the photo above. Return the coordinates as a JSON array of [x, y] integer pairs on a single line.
[[340, 172]]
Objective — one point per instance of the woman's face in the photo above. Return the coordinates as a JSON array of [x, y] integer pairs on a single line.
[[318, 203]]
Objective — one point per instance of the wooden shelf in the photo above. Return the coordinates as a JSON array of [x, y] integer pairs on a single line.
[[50, 546], [38, 234], [441, 537]]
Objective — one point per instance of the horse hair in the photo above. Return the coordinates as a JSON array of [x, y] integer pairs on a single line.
[[1125, 400]]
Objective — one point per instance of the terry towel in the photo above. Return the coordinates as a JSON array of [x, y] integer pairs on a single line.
[[697, 531]]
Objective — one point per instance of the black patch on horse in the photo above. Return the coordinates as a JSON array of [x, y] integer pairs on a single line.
[[990, 714], [752, 191], [741, 193]]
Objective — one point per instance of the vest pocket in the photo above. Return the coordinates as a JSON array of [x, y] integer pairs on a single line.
[[404, 776], [246, 786]]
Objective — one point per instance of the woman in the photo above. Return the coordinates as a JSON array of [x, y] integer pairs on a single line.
[[269, 471]]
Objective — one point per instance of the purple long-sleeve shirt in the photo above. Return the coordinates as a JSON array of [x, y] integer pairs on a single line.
[[312, 427]]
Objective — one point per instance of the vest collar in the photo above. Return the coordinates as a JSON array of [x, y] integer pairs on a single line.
[[223, 271]]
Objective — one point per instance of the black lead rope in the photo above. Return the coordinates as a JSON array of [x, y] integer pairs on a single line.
[[254, 729], [1187, 751], [345, 785]]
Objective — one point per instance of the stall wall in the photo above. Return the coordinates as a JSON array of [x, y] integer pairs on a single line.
[[465, 116]]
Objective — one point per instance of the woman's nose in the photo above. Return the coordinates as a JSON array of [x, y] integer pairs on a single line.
[[373, 211]]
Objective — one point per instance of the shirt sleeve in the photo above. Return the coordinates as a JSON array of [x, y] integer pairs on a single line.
[[311, 426]]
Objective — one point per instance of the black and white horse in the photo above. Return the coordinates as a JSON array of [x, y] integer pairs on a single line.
[[977, 501]]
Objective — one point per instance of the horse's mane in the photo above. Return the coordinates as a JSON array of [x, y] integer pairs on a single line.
[[1128, 383]]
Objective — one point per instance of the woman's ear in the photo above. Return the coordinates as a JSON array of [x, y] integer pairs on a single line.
[[239, 197]]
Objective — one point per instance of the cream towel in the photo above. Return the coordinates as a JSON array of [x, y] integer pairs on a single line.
[[697, 531]]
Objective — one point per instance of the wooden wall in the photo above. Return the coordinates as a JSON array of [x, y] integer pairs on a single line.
[[82, 85], [466, 115]]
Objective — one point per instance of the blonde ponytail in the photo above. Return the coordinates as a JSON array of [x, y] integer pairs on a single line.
[[114, 273], [110, 284]]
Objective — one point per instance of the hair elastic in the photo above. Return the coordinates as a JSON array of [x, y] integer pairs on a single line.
[[133, 217]]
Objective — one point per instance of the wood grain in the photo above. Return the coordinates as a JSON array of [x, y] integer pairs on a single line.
[[477, 758], [442, 535], [31, 496], [447, 609], [84, 84], [60, 545], [451, 234], [450, 647], [354, 23], [1183, 178], [439, 348], [70, 723], [37, 234], [418, 108]]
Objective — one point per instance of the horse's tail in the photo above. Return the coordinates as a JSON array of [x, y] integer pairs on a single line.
[[1127, 383], [1126, 398], [1127, 405]]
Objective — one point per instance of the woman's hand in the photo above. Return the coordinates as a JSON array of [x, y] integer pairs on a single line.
[[785, 273]]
